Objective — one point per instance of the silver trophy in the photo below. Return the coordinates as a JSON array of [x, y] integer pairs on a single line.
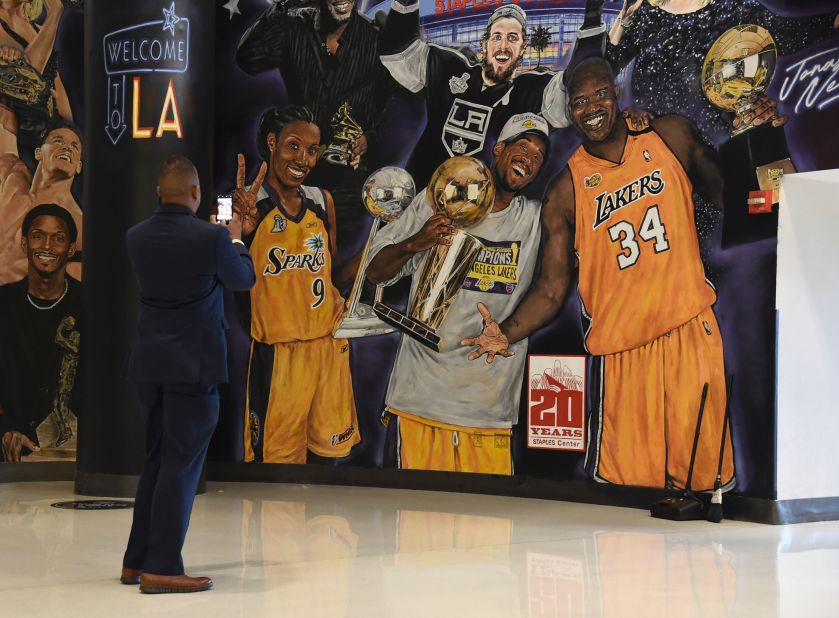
[[463, 188], [386, 194]]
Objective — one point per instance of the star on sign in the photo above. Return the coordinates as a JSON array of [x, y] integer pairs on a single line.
[[233, 7], [170, 19]]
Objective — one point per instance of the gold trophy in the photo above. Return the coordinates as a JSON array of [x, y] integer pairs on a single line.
[[57, 433], [345, 131], [386, 194], [463, 188], [739, 65], [738, 68]]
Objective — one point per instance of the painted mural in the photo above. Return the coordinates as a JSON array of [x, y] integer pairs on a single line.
[[41, 229], [575, 266]]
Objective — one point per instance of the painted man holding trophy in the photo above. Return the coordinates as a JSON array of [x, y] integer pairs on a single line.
[[469, 237]]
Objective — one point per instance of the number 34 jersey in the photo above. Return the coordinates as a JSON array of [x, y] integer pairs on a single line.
[[640, 271], [293, 299]]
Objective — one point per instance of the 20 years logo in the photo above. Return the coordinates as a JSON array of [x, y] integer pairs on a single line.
[[140, 51]]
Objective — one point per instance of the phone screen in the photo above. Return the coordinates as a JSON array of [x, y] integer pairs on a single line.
[[224, 204]]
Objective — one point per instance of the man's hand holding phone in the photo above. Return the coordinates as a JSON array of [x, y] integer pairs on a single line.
[[225, 216]]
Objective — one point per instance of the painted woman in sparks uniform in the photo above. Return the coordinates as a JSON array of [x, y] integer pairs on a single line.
[[300, 393]]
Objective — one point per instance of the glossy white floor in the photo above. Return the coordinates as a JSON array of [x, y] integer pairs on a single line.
[[296, 550]]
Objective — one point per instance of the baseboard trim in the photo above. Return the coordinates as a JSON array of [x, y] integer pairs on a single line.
[[742, 508], [110, 485], [37, 471]]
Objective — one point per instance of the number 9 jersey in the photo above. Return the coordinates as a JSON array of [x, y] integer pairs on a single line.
[[640, 271], [294, 298]]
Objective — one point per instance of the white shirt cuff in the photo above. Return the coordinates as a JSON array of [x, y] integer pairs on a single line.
[[236, 240]]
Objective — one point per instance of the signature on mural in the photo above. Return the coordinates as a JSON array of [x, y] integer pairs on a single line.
[[814, 80]]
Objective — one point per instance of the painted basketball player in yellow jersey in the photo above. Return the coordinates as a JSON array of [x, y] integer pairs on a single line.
[[299, 403], [623, 205]]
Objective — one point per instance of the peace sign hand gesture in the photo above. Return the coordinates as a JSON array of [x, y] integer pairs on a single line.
[[244, 200]]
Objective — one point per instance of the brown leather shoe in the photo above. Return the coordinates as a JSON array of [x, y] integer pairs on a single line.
[[130, 577], [161, 584]]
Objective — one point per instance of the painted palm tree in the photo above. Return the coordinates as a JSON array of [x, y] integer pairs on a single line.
[[539, 40]]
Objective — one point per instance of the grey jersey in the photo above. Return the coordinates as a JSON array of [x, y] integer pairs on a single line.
[[445, 386]]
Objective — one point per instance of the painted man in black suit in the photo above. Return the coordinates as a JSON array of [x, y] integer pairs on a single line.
[[178, 357], [328, 56]]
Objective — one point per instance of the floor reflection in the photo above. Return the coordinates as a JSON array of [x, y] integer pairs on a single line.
[[301, 550]]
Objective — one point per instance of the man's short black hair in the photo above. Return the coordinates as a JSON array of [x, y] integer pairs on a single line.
[[51, 210], [275, 118], [593, 64], [178, 165], [61, 123]]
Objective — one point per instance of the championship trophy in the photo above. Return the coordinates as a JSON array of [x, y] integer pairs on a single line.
[[345, 131], [462, 188], [739, 67], [57, 432], [29, 95], [386, 194]]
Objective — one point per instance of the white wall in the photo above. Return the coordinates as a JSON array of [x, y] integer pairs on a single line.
[[808, 336]]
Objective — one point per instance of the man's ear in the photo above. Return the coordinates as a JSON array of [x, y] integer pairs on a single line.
[[38, 153], [24, 245], [498, 149], [157, 189], [271, 140], [72, 250], [79, 167]]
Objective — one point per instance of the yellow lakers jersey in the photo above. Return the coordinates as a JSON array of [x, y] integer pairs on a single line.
[[640, 272], [293, 299]]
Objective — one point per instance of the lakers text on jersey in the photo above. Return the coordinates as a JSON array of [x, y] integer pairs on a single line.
[[640, 272]]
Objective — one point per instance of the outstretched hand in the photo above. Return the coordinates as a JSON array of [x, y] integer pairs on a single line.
[[491, 341], [244, 200]]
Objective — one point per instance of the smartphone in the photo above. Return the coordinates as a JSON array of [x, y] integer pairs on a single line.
[[224, 208]]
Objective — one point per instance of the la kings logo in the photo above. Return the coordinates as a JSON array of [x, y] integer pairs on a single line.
[[465, 129], [607, 203]]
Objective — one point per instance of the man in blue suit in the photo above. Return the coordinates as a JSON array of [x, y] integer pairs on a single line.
[[177, 359]]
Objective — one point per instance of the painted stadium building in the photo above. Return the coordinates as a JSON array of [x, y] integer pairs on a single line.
[[462, 22]]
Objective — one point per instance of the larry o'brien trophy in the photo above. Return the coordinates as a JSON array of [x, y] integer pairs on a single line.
[[461, 187], [345, 131], [738, 67], [386, 194]]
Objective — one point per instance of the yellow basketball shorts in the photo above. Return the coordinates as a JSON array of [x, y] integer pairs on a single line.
[[646, 406], [428, 445], [300, 397]]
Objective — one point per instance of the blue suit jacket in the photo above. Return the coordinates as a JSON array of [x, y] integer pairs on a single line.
[[181, 264]]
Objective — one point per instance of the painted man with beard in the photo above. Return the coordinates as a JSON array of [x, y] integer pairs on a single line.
[[59, 161], [467, 101], [444, 412], [622, 209], [328, 55], [39, 341]]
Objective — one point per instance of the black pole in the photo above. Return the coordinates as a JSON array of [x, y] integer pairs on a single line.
[[148, 93], [696, 437]]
